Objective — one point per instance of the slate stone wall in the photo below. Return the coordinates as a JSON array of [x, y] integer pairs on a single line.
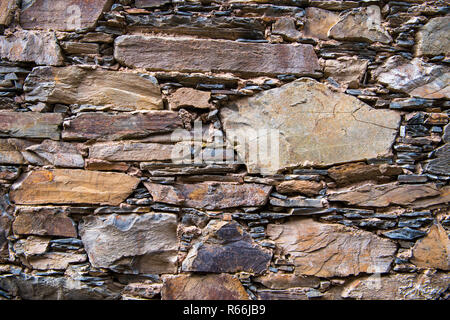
[[229, 149]]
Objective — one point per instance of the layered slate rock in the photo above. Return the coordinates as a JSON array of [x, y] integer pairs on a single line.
[[55, 260], [151, 3], [62, 186], [287, 280], [309, 188], [210, 195], [197, 55], [307, 128], [203, 287], [5, 229], [441, 164], [30, 125], [433, 38], [59, 154], [370, 195], [433, 251], [143, 243], [131, 151], [75, 85], [226, 247], [362, 24], [328, 250], [425, 286], [415, 77], [62, 15], [28, 46], [355, 172], [104, 126], [7, 8]]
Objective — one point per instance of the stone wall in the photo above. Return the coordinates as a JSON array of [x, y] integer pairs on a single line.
[[224, 149]]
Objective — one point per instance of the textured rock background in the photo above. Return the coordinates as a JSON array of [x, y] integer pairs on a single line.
[[134, 162]]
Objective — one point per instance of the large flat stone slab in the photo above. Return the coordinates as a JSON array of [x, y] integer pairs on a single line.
[[30, 125], [198, 55], [74, 85], [305, 123], [63, 186], [433, 38]]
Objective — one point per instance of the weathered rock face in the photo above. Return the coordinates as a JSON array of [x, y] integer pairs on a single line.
[[30, 125], [55, 260], [29, 46], [75, 85], [433, 38], [103, 126], [347, 71], [415, 77], [384, 195], [60, 154], [309, 188], [226, 248], [10, 152], [310, 129], [62, 15], [146, 243], [318, 23], [162, 54], [441, 164], [287, 280], [187, 97], [356, 172], [424, 286], [361, 25], [151, 3], [285, 27], [210, 195], [6, 11], [327, 250], [433, 251], [131, 151], [5, 230], [208, 287], [61, 186]]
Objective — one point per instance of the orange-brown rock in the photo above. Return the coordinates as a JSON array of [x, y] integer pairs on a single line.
[[61, 186], [287, 280], [203, 287], [309, 188], [433, 251], [356, 172], [188, 97], [7, 8], [318, 23]]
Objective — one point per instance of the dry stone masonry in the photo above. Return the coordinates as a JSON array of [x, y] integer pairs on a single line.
[[224, 149]]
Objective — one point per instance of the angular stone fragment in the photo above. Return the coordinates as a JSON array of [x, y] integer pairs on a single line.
[[143, 243], [29, 46], [62, 186], [210, 195], [60, 154], [131, 151], [363, 24], [356, 172], [285, 27], [31, 246], [198, 55], [309, 188], [203, 287], [329, 250], [44, 222], [74, 85], [318, 22], [405, 233], [444, 197], [7, 8], [103, 126], [424, 286], [348, 71], [188, 97], [297, 202], [297, 125], [151, 3], [287, 280], [79, 48], [415, 77], [383, 195], [55, 260], [441, 164], [226, 247], [62, 15], [334, 4], [5, 230], [10, 152], [30, 125], [433, 38], [433, 251]]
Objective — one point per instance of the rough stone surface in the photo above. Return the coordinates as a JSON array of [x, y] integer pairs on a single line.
[[348, 71], [309, 188], [6, 11], [10, 152], [131, 151], [441, 164], [318, 23], [210, 195], [287, 280], [62, 186], [55, 260], [160, 54], [433, 251], [29, 46], [188, 97], [59, 154], [311, 130], [433, 38], [75, 85], [285, 27], [226, 247], [361, 25], [62, 15], [30, 125], [103, 126], [5, 230], [327, 250], [151, 3], [356, 172], [206, 287], [146, 243], [370, 195]]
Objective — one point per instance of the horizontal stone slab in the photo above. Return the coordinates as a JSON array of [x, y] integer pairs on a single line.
[[104, 126], [131, 151], [197, 55], [62, 15], [30, 125], [62, 186], [100, 87]]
